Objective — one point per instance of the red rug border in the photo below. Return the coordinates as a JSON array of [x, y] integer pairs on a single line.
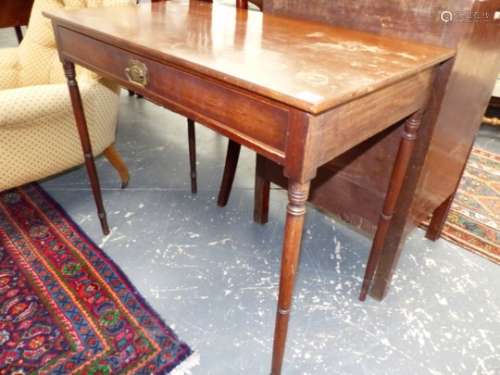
[[117, 269]]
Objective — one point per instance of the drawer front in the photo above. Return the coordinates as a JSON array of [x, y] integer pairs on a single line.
[[259, 124]]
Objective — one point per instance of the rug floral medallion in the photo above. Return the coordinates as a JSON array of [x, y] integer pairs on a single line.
[[474, 219], [65, 307]]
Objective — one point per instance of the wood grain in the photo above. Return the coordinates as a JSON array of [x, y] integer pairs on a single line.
[[350, 124], [357, 178], [195, 77], [258, 124], [418, 20], [310, 66]]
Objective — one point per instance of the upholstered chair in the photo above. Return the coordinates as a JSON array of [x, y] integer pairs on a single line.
[[38, 135]]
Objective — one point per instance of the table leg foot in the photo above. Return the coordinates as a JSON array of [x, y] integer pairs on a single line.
[[297, 196], [104, 223]]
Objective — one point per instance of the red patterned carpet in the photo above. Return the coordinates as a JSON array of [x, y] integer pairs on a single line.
[[65, 307], [474, 220]]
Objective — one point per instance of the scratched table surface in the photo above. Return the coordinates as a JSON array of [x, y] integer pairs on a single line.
[[307, 65]]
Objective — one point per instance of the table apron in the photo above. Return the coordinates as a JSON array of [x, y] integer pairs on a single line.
[[344, 127], [259, 123], [251, 120]]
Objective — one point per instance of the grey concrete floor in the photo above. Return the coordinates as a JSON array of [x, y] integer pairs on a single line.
[[212, 273]]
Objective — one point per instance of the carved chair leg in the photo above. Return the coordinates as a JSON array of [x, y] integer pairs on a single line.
[[81, 123], [261, 194], [495, 121], [192, 155], [232, 157], [297, 197], [115, 159], [399, 171], [19, 33]]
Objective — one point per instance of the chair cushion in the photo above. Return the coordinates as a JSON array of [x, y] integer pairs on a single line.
[[38, 136]]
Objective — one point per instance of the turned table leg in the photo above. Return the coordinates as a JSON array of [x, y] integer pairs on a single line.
[[399, 171], [81, 123], [297, 197]]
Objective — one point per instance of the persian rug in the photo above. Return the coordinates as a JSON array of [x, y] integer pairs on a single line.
[[474, 219], [65, 307]]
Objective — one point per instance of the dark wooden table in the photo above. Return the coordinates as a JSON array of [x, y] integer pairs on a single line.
[[353, 186], [15, 13], [321, 91]]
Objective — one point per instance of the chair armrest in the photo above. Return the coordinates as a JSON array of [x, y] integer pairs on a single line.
[[8, 68], [27, 106], [8, 57]]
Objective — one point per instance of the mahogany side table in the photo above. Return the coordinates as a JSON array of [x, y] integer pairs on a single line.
[[322, 91]]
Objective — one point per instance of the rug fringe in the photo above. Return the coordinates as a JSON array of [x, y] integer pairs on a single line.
[[187, 365]]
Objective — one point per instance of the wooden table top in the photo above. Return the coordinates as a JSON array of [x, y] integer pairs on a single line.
[[307, 65]]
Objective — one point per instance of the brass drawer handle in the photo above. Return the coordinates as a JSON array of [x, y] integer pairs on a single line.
[[137, 72]]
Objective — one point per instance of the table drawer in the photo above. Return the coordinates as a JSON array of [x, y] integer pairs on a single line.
[[255, 122]]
